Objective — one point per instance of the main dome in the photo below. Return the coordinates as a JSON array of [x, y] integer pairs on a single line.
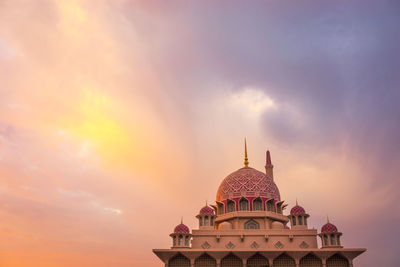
[[247, 182]]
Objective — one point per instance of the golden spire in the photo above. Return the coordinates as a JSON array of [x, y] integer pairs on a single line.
[[327, 219], [246, 160], [206, 203], [182, 220], [297, 202]]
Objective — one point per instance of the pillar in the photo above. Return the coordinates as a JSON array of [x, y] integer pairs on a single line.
[[297, 261], [244, 262], [218, 262], [323, 262], [192, 262]]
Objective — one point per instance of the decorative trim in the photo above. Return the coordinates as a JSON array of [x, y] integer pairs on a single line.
[[230, 245]]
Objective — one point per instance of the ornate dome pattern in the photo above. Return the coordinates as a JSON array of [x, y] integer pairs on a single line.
[[207, 210], [181, 229], [297, 210], [247, 182], [329, 228]]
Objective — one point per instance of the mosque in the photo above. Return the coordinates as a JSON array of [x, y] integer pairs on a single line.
[[247, 228]]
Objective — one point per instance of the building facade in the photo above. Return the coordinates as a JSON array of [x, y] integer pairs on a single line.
[[247, 228]]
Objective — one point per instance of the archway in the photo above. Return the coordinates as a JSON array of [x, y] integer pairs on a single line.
[[284, 261], [205, 260], [337, 260], [231, 261], [257, 260], [310, 260], [179, 261]]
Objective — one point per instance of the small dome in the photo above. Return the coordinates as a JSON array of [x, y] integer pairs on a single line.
[[287, 227], [207, 210], [297, 210], [329, 228], [181, 229]]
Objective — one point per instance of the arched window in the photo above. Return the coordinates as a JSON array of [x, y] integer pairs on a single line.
[[270, 205], [337, 261], [231, 206], [180, 240], [284, 261], [205, 261], [333, 240], [244, 204], [212, 221], [326, 240], [206, 221], [257, 260], [186, 241], [300, 220], [294, 221], [338, 240], [251, 224], [310, 260], [201, 221], [257, 204], [305, 220], [179, 261], [279, 208], [174, 241], [231, 261], [220, 208]]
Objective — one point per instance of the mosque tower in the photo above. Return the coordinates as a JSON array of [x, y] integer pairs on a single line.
[[247, 227]]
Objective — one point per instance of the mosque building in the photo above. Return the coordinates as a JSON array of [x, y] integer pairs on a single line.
[[247, 228]]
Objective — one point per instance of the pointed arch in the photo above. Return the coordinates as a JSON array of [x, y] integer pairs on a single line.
[[230, 205], [310, 260], [284, 260], [257, 260], [251, 224], [337, 260], [257, 204], [231, 260], [179, 261], [270, 205], [244, 204], [205, 260]]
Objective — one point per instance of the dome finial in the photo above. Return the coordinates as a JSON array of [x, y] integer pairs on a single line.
[[246, 160], [297, 202], [327, 219], [206, 202], [182, 220]]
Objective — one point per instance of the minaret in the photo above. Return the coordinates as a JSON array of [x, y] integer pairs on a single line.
[[269, 167], [246, 160]]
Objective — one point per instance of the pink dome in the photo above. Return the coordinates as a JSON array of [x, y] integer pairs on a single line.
[[329, 228], [247, 182], [181, 229], [207, 210], [297, 210]]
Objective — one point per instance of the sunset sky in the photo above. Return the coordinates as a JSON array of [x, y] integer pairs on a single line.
[[118, 117]]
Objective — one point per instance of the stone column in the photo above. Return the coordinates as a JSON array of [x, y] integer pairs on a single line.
[[350, 263], [270, 262], [192, 262], [297, 262], [323, 262], [244, 262], [218, 262]]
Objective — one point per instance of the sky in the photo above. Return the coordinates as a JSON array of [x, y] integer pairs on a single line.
[[119, 117]]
